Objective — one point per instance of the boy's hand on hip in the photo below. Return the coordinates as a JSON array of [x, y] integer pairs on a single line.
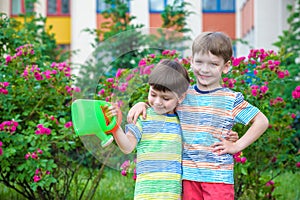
[[232, 136], [224, 146]]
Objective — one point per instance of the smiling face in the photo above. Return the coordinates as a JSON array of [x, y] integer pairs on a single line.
[[208, 69], [163, 102]]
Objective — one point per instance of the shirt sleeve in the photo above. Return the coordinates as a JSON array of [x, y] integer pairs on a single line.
[[243, 112], [135, 129]]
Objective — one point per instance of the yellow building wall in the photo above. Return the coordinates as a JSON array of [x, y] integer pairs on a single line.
[[20, 19], [61, 27]]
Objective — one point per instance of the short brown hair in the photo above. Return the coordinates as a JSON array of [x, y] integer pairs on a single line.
[[217, 43], [169, 75]]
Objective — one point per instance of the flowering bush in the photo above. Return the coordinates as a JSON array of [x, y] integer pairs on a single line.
[[261, 78], [258, 77], [128, 167], [35, 129], [40, 156]]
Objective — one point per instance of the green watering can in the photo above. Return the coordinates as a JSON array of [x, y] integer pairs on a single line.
[[88, 118]]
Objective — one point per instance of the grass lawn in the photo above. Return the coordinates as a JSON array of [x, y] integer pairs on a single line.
[[115, 186], [112, 186], [289, 188]]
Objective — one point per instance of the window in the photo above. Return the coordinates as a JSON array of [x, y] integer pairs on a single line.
[[157, 6], [209, 5], [102, 6], [20, 7], [65, 6], [58, 7], [16, 7], [172, 2], [218, 5], [64, 47]]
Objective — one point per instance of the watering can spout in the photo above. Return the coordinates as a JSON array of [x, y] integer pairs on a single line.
[[105, 141], [89, 119]]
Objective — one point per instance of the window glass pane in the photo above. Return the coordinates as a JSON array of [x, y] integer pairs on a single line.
[[29, 6], [65, 6], [52, 9], [171, 2], [64, 47], [127, 2], [209, 5], [16, 7], [101, 6], [157, 5], [227, 5]]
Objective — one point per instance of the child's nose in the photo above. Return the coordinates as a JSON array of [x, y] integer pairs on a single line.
[[158, 101], [205, 67]]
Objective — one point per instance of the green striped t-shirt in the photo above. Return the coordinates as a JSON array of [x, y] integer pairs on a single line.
[[159, 152]]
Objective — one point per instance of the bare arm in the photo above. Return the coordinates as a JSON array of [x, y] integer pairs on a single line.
[[126, 141], [136, 111], [259, 125]]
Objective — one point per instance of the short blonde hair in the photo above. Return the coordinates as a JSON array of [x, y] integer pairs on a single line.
[[217, 43]]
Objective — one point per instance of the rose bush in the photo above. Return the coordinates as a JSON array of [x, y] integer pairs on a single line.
[[36, 132], [40, 155], [259, 77], [262, 79]]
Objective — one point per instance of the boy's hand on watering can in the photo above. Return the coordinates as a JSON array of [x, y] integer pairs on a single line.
[[112, 110]]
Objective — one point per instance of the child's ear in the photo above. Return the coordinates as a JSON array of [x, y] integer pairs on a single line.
[[181, 98], [226, 67]]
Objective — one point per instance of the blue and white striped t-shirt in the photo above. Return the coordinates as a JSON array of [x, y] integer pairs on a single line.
[[202, 115]]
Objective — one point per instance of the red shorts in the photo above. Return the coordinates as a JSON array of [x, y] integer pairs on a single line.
[[193, 190]]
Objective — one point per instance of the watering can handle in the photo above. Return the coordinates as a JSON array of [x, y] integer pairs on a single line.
[[114, 123]]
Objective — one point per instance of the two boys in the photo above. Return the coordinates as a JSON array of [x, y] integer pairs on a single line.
[[207, 114]]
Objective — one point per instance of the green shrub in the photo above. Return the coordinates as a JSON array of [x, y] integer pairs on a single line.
[[41, 157]]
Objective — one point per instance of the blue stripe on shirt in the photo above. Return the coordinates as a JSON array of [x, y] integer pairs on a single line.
[[207, 175], [158, 166]]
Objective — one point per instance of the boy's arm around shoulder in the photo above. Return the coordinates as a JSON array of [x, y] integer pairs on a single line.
[[259, 125], [134, 112]]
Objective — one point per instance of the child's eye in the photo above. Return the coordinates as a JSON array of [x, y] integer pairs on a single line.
[[214, 64]]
